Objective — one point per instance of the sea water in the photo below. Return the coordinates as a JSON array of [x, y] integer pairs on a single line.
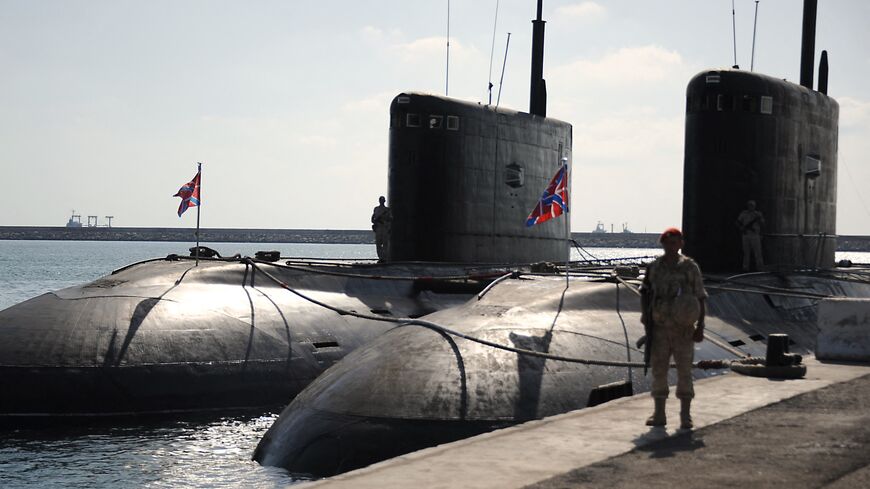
[[189, 452]]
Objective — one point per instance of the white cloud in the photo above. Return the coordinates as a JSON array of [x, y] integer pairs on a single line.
[[853, 112], [377, 35], [377, 103], [626, 66], [635, 116], [415, 50], [853, 201], [428, 48], [636, 138], [317, 140], [582, 11], [626, 107]]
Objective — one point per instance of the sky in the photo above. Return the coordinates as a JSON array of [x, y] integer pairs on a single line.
[[107, 105]]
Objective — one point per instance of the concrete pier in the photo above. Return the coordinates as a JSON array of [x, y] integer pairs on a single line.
[[812, 432]]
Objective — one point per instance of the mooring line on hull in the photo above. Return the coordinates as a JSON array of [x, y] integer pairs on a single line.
[[578, 266], [482, 276], [721, 344], [832, 273], [471, 276], [581, 250], [624, 327], [704, 364], [512, 274], [594, 337], [797, 295], [773, 288]]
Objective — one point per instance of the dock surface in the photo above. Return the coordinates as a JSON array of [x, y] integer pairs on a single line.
[[749, 432]]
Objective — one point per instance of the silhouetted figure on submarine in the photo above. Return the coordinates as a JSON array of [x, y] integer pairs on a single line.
[[382, 222], [750, 222], [673, 300]]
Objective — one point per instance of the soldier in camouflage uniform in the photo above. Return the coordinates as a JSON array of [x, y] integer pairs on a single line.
[[750, 222], [382, 222], [673, 301]]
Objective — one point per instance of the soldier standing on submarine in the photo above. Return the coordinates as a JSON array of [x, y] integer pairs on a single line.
[[382, 221], [673, 301], [750, 222]]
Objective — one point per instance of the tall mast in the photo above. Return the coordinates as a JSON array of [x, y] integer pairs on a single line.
[[808, 43], [538, 89]]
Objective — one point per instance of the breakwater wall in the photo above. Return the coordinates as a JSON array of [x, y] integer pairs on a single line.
[[187, 235], [340, 236]]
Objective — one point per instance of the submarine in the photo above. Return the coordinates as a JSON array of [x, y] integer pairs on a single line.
[[533, 346], [168, 336], [180, 334]]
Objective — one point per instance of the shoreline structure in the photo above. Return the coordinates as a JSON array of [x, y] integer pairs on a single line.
[[320, 236]]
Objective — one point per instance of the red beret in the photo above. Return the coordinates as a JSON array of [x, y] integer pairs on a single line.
[[670, 232]]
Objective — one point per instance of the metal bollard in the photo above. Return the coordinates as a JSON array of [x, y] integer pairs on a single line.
[[777, 352]]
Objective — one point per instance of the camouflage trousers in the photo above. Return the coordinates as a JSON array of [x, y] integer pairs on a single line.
[[382, 242], [672, 340]]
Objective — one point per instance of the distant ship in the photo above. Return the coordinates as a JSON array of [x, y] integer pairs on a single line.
[[75, 220]]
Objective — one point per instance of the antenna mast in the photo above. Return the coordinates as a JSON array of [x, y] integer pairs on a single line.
[[447, 75], [501, 80], [754, 28], [734, 30], [492, 51]]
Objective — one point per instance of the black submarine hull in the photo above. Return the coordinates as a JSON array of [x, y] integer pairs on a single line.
[[169, 336], [414, 387]]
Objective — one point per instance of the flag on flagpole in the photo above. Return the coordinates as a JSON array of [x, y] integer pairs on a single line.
[[189, 193], [554, 201]]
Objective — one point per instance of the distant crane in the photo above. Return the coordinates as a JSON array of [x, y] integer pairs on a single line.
[[109, 218], [95, 221]]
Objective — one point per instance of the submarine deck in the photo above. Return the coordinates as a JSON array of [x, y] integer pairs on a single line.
[[749, 432]]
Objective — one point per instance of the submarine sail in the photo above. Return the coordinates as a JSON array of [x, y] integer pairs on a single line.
[[755, 137], [464, 176]]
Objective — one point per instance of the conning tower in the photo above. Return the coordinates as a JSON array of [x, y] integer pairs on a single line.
[[463, 176], [754, 137]]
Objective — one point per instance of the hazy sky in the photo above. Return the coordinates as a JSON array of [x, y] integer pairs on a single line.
[[106, 106]]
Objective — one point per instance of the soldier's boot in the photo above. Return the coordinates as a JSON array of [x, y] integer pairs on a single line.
[[685, 414], [658, 417]]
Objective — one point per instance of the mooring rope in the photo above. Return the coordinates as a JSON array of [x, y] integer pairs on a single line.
[[708, 364], [703, 364]]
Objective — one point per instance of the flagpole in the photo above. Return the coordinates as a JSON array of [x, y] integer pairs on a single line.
[[198, 207], [567, 224]]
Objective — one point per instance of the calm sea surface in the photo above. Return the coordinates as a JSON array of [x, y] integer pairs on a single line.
[[210, 452]]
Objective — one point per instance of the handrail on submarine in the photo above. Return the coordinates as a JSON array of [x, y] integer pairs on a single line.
[[703, 364], [255, 264]]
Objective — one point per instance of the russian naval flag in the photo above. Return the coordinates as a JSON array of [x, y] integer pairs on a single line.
[[554, 201], [189, 193]]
